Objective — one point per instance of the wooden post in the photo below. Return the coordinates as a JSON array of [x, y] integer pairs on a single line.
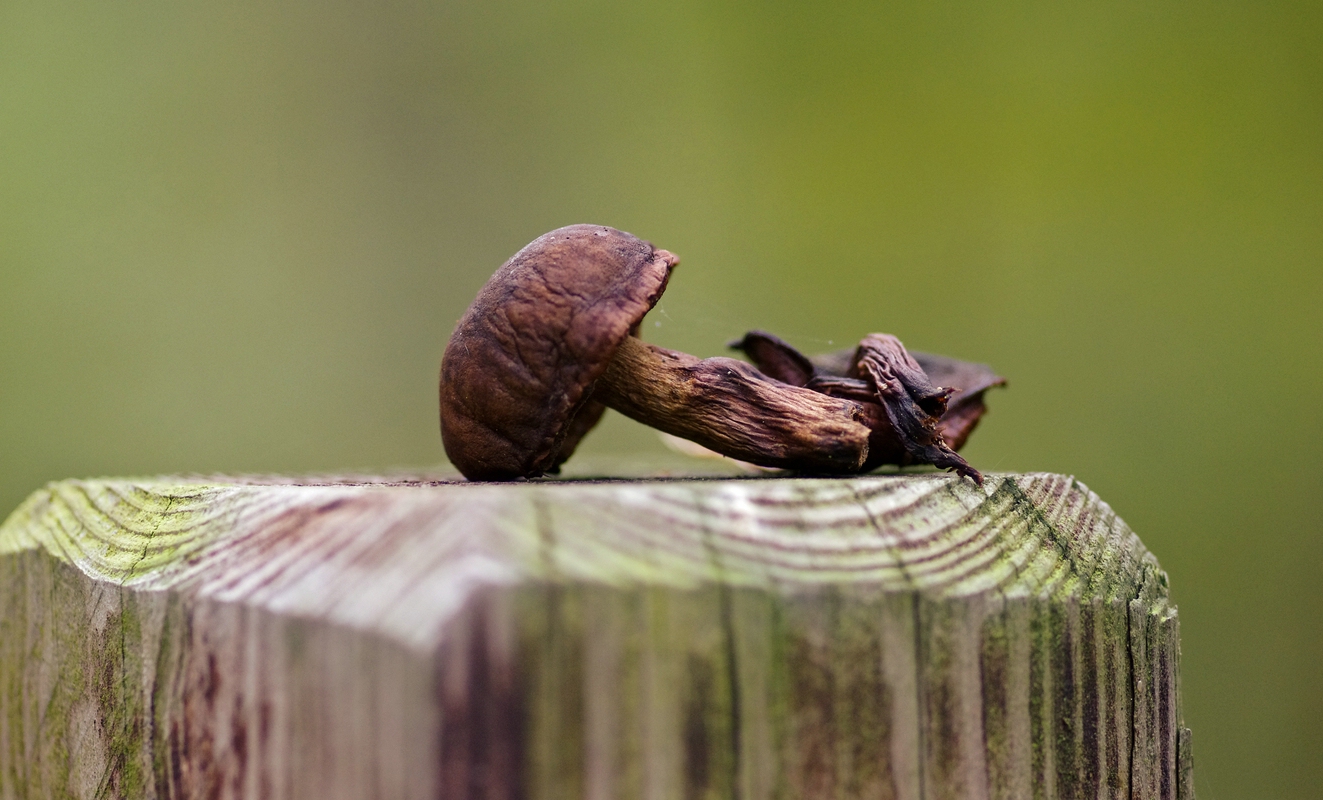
[[873, 637]]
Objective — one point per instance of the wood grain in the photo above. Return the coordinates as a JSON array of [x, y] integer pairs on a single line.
[[873, 637]]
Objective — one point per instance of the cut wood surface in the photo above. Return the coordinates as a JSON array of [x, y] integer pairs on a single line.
[[892, 636]]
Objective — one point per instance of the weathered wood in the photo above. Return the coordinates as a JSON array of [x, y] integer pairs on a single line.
[[874, 637]]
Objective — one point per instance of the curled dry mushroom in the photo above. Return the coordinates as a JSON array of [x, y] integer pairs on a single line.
[[551, 341], [968, 382], [923, 406]]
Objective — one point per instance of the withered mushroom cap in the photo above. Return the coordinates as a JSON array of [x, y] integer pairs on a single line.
[[517, 374], [970, 381], [921, 407]]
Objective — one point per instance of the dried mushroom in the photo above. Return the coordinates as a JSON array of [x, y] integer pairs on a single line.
[[923, 406], [551, 341]]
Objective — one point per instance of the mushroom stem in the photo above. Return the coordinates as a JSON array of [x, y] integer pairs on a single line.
[[732, 408]]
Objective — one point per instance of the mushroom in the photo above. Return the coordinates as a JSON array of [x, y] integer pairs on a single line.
[[929, 404], [969, 382], [551, 340]]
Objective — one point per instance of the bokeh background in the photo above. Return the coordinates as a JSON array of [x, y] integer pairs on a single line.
[[235, 236]]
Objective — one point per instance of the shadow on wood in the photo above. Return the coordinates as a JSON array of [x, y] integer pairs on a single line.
[[875, 637]]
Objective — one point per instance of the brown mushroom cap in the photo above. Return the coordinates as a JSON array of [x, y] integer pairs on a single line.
[[521, 364]]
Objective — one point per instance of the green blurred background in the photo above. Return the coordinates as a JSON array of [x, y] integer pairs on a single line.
[[234, 237]]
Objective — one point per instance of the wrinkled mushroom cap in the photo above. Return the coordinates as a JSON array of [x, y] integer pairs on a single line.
[[522, 361]]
